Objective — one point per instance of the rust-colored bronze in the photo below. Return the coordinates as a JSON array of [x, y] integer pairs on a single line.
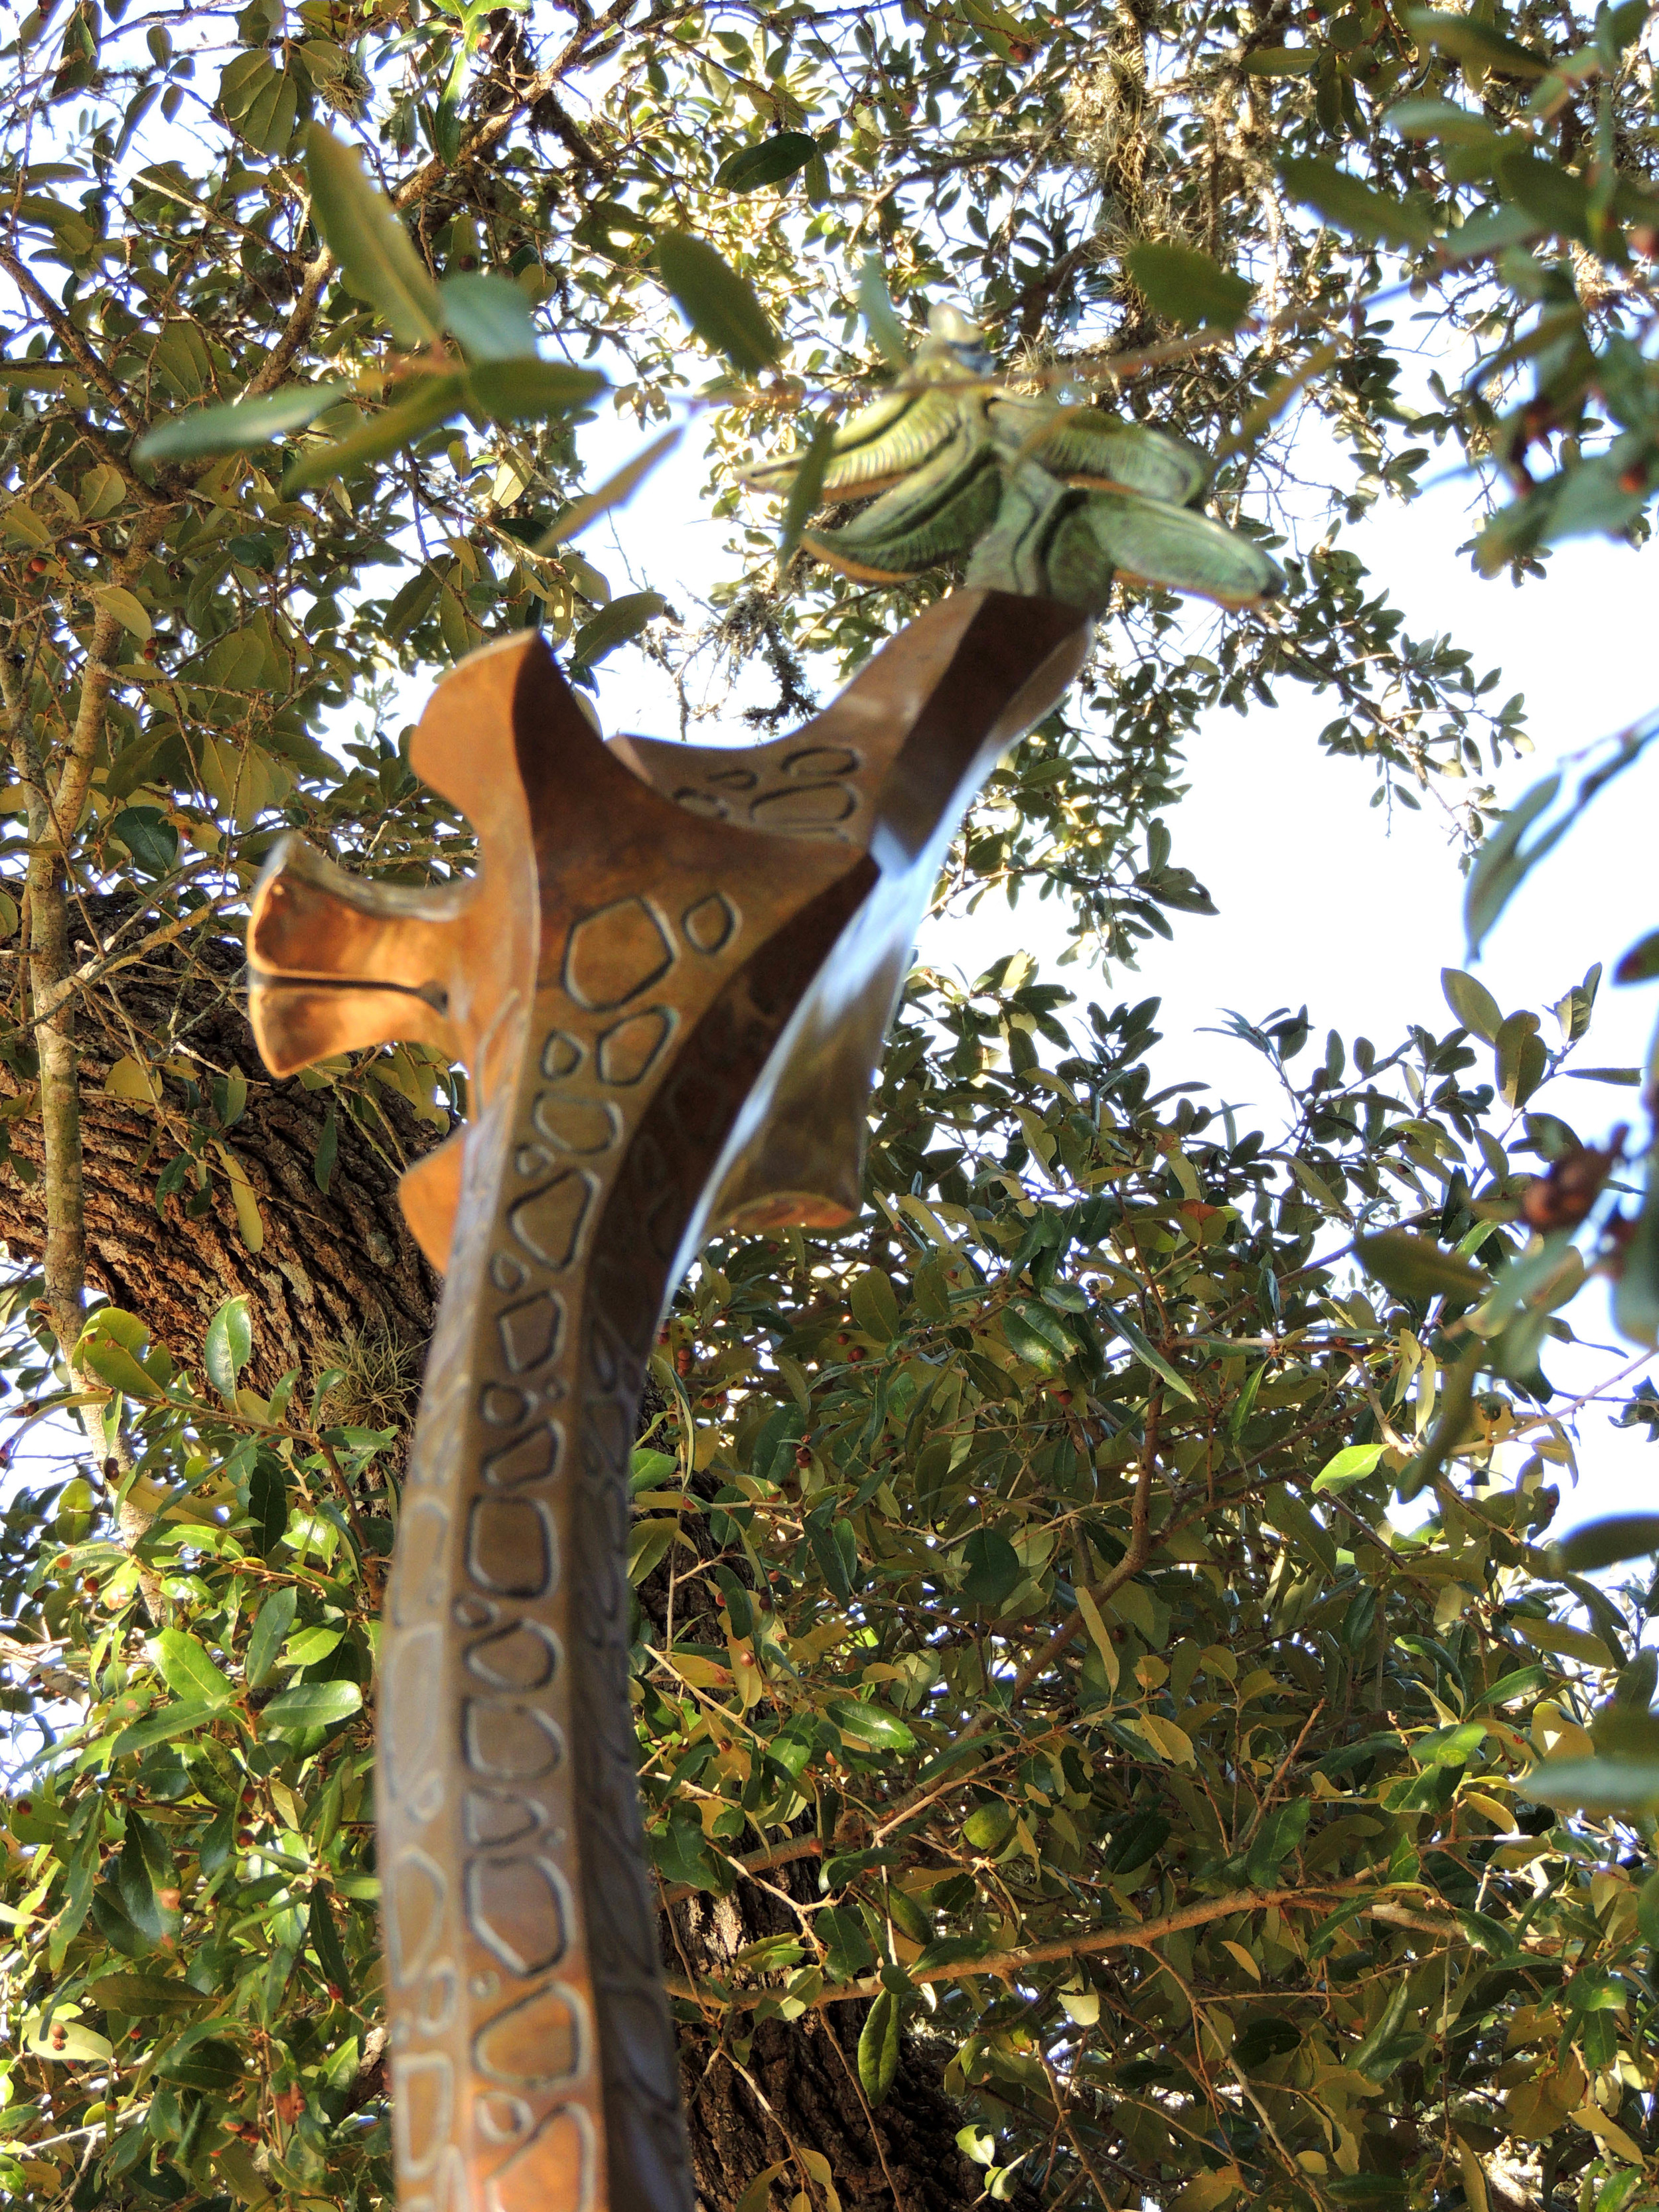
[[669, 982]]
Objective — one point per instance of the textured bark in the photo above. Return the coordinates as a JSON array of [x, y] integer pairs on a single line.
[[331, 1266], [794, 2084]]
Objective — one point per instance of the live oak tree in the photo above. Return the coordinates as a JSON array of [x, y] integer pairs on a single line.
[[1066, 1782]]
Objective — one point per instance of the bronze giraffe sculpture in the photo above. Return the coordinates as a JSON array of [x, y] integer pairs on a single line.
[[668, 983]]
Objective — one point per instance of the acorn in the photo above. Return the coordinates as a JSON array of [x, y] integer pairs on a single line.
[[803, 1454]]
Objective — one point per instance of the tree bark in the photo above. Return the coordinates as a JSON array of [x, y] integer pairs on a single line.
[[794, 2085], [331, 1266]]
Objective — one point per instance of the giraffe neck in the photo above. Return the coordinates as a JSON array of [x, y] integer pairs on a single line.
[[533, 2058]]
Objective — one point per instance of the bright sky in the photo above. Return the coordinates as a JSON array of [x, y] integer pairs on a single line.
[[1322, 899]]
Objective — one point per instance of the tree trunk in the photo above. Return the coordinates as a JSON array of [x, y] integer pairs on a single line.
[[341, 1269], [336, 1270], [794, 2085]]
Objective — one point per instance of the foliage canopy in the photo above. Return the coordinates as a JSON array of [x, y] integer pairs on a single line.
[[1025, 1658]]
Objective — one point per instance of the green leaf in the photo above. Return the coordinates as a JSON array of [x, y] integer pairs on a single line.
[[237, 428], [148, 836], [772, 161], [1439, 119], [1037, 1337], [1279, 1835], [843, 1933], [1141, 1344], [186, 1669], [1501, 866], [182, 1719], [1453, 1745], [614, 625], [875, 306], [1561, 1637], [720, 305], [805, 490], [313, 1704], [989, 1827], [875, 1308], [1355, 207], [433, 400], [615, 491], [1350, 1465], [1264, 2039], [878, 2047], [267, 1503], [1478, 43], [126, 608], [1596, 1785], [523, 391], [210, 2066], [1551, 195], [1187, 287], [831, 1560], [995, 1572], [1416, 1267], [1280, 61], [1473, 1004], [270, 1633], [113, 1364], [141, 1995], [1523, 1060], [325, 1942], [871, 1724], [365, 236], [228, 1347], [490, 316], [1605, 1543], [1636, 1295]]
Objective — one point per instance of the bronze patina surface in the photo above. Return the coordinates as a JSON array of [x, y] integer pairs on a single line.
[[669, 982]]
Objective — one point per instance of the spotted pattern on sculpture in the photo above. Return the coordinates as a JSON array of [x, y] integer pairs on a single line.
[[637, 1049]]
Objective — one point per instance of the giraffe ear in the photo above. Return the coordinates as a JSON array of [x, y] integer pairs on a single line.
[[337, 964], [431, 1195]]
